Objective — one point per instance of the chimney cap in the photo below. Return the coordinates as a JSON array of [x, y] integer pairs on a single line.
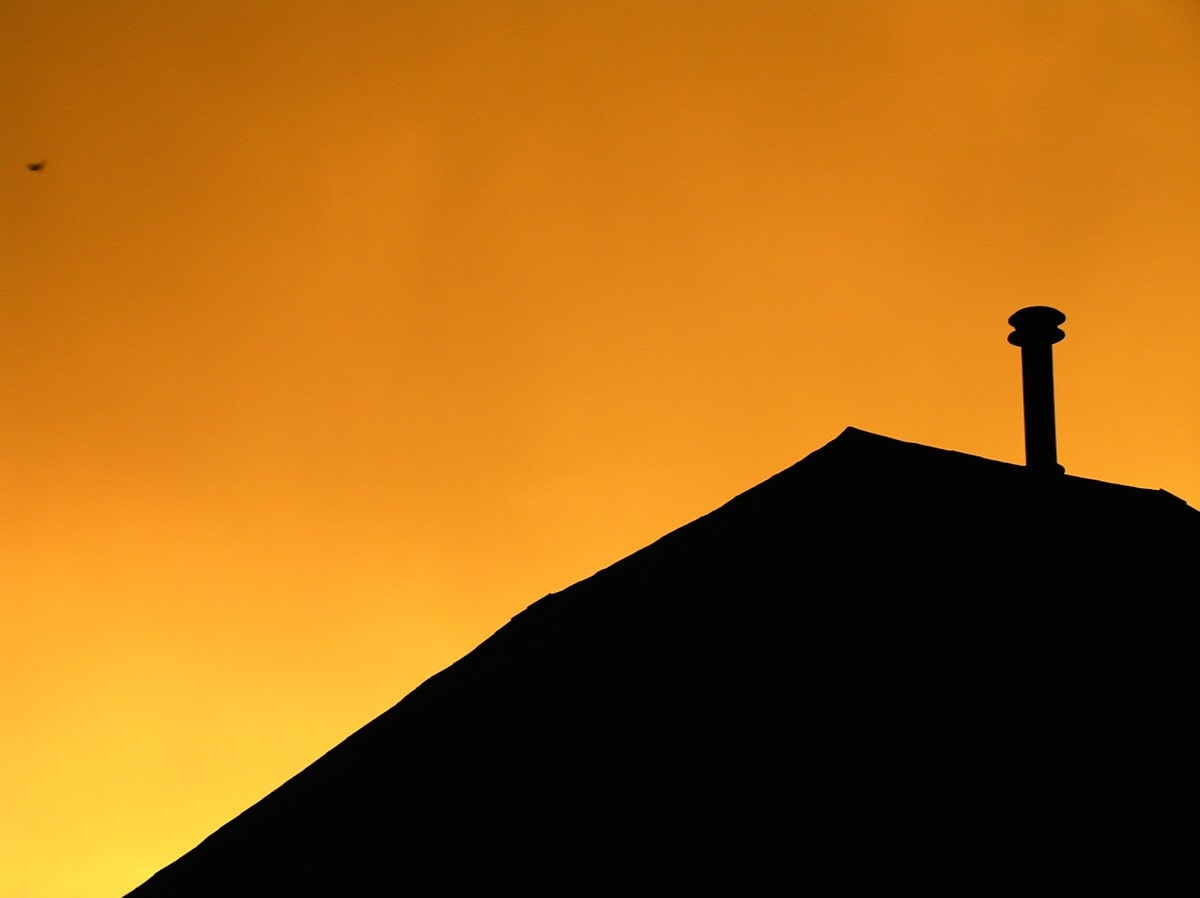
[[1036, 324]]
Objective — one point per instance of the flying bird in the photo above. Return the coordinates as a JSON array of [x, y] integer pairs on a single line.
[[36, 166]]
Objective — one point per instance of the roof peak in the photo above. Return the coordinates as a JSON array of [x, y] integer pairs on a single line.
[[857, 439]]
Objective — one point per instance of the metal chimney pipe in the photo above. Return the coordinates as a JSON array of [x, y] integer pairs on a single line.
[[1036, 329]]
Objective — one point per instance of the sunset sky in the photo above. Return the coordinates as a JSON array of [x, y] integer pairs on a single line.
[[333, 334]]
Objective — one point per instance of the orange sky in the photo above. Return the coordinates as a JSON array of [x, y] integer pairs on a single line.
[[334, 334]]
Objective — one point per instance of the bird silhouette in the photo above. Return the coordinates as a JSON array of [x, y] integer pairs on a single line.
[[36, 166]]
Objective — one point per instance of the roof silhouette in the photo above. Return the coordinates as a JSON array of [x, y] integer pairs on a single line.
[[887, 663]]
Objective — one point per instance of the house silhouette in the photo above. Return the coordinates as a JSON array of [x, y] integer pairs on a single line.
[[887, 664]]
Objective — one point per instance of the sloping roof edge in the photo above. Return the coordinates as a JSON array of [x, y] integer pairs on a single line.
[[865, 538]]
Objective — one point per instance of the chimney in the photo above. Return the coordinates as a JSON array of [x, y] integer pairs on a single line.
[[1035, 330]]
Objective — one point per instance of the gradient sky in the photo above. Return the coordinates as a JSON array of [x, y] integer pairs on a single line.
[[334, 334]]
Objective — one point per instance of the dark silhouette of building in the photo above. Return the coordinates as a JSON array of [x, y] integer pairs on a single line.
[[887, 664]]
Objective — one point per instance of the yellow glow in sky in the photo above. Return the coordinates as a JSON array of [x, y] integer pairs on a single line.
[[332, 335]]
